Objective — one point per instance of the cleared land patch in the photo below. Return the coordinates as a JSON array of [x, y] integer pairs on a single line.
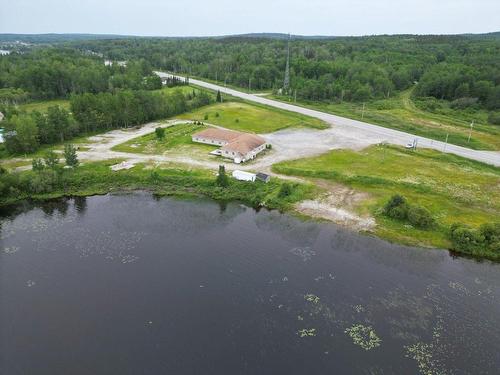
[[42, 106], [453, 189], [252, 118], [177, 140]]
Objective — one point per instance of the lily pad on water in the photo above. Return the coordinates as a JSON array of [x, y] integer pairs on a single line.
[[307, 332], [311, 298], [364, 336]]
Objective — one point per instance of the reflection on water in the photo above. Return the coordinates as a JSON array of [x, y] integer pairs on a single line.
[[131, 284]]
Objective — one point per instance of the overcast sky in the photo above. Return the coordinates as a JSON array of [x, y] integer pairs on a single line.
[[222, 17]]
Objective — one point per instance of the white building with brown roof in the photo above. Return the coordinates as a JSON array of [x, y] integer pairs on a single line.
[[238, 146]]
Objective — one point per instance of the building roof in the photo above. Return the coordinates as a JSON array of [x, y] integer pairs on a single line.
[[218, 134], [263, 176], [239, 142], [238, 173], [244, 143]]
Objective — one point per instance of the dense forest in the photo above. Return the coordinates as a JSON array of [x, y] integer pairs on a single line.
[[49, 73], [460, 69]]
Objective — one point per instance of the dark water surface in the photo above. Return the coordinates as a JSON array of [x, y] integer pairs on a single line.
[[132, 285]]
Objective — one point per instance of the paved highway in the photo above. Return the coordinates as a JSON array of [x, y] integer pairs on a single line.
[[354, 128]]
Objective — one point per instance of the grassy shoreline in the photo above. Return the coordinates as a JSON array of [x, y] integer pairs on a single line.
[[177, 181], [97, 179], [452, 189]]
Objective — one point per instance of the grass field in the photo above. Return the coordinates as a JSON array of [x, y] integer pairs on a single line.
[[251, 118], [42, 106], [402, 113], [453, 189], [177, 140]]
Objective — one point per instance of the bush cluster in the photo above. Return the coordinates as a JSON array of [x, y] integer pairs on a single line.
[[476, 241], [398, 208]]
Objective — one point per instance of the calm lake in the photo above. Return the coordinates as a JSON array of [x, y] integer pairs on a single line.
[[130, 284]]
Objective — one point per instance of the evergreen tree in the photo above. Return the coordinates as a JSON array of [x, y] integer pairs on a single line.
[[219, 97], [70, 155], [222, 179], [51, 159]]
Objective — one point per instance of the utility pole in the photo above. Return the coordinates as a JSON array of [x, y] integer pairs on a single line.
[[249, 84], [470, 131], [295, 96], [286, 83], [363, 112]]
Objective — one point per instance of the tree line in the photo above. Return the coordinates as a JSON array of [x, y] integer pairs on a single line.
[[339, 69], [25, 132], [48, 73]]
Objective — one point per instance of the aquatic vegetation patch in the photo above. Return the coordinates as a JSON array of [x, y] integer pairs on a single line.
[[364, 336], [10, 250], [305, 332], [422, 354], [30, 283], [303, 252], [359, 308], [311, 298]]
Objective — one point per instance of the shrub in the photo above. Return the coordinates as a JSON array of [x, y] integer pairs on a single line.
[[37, 165], [465, 239], [494, 118], [160, 133], [286, 190], [491, 234], [51, 159], [420, 217], [205, 117], [396, 207], [463, 103], [399, 212]]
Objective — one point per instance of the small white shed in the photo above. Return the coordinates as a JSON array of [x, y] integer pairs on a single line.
[[244, 176]]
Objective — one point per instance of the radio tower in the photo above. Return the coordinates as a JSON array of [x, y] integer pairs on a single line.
[[286, 83]]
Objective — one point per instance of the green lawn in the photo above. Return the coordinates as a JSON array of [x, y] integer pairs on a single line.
[[452, 188], [402, 113], [177, 140], [42, 106], [252, 118]]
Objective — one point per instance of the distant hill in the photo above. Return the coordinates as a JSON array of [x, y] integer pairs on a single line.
[[60, 38], [55, 38]]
